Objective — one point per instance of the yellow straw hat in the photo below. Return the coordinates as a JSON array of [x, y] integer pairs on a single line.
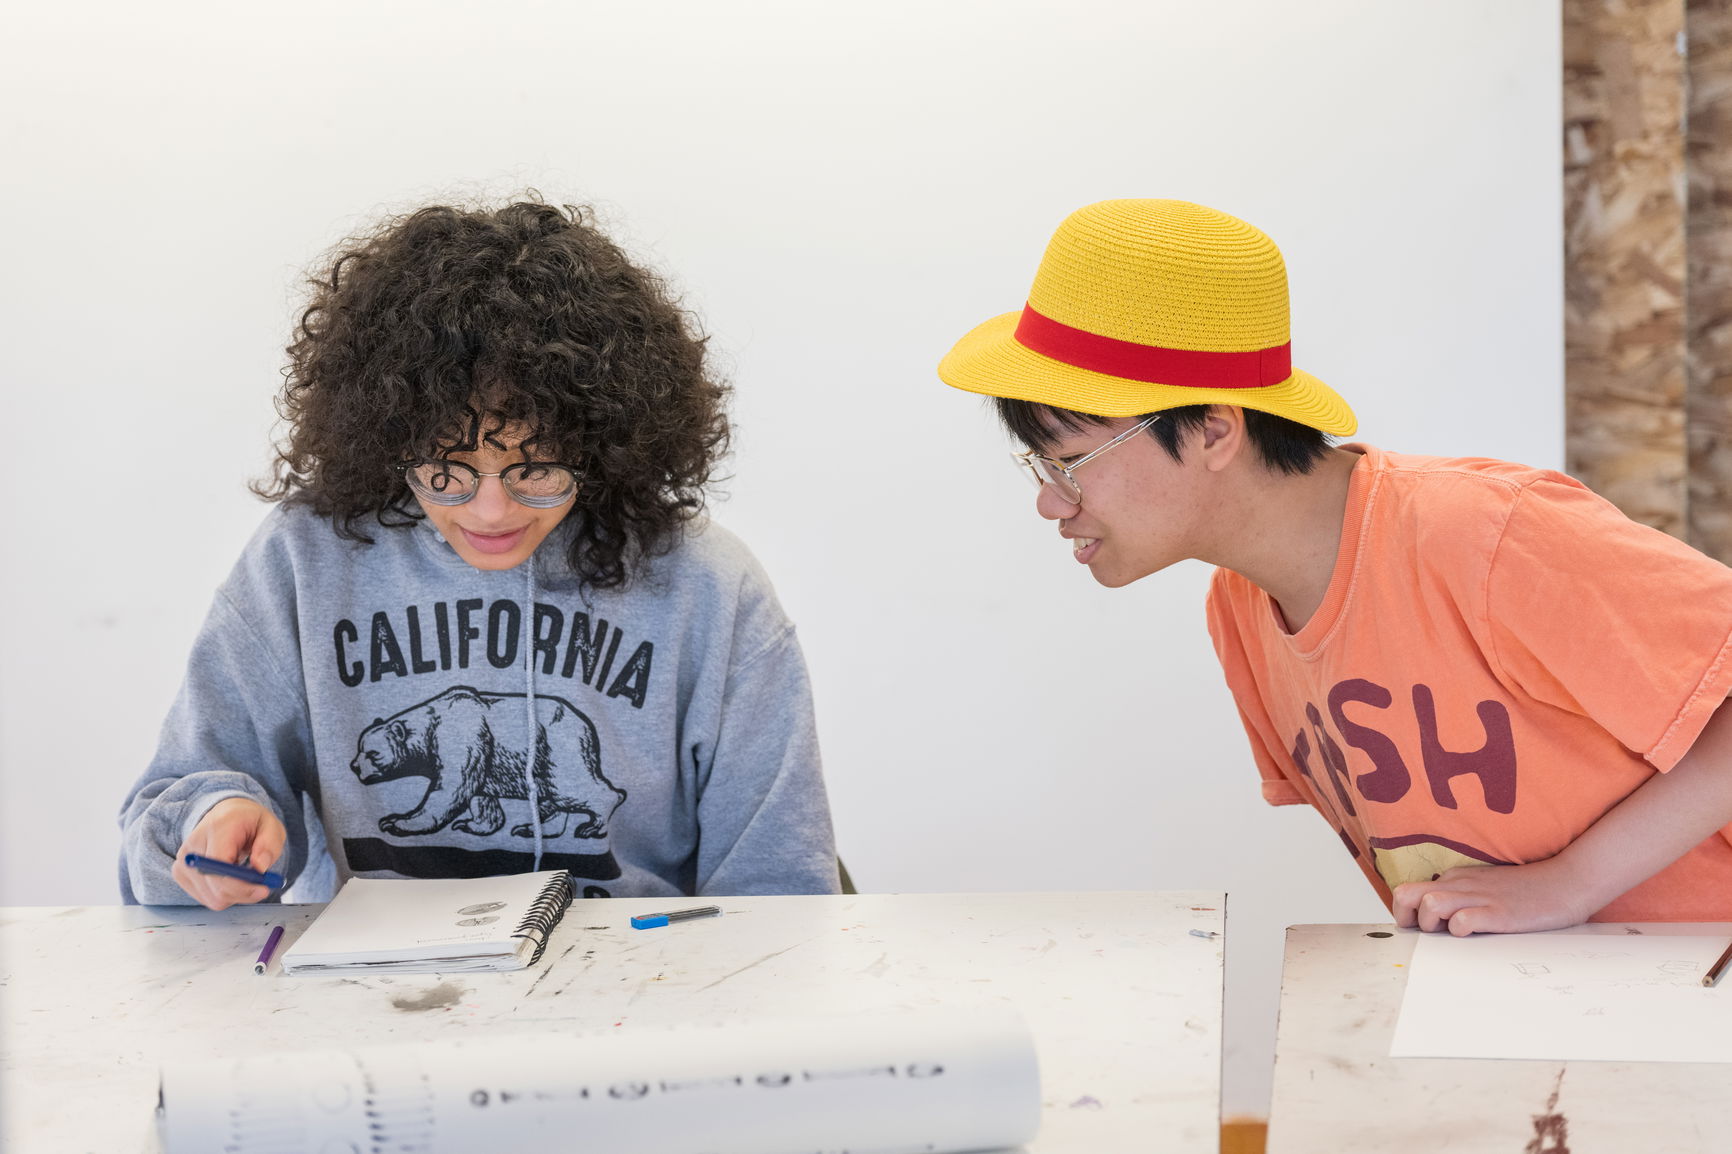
[[1141, 305]]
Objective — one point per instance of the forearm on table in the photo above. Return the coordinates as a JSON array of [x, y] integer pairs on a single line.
[[1658, 823]]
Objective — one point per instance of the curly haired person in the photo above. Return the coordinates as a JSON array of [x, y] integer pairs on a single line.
[[1507, 698], [487, 628]]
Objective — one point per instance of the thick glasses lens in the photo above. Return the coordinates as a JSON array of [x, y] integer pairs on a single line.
[[538, 485], [442, 482]]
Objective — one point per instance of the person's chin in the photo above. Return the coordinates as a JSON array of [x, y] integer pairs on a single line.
[[493, 561], [1116, 578]]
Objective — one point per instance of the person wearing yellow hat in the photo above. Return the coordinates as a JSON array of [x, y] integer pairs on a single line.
[[1416, 645]]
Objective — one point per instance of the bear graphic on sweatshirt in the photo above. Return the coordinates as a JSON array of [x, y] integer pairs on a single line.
[[470, 747]]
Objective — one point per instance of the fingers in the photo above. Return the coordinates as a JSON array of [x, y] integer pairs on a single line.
[[212, 890], [235, 830], [1438, 907], [230, 828], [268, 841], [1403, 903], [1490, 900], [1435, 905], [1473, 920]]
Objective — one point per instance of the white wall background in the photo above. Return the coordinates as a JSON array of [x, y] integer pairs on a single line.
[[841, 191]]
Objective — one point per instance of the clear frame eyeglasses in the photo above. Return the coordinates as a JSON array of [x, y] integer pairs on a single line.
[[538, 484], [1044, 470]]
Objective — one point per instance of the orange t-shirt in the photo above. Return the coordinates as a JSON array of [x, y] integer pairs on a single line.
[[1501, 657]]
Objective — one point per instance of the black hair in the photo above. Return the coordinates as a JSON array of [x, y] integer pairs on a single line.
[[1283, 445]]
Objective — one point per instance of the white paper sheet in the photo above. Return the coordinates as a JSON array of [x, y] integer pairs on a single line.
[[889, 1083], [1566, 995]]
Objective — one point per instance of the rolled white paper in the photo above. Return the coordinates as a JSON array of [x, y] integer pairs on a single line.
[[898, 1082]]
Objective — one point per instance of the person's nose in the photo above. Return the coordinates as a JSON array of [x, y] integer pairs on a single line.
[[1053, 505], [491, 502]]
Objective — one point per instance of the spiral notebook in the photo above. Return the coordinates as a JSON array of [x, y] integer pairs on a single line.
[[433, 925]]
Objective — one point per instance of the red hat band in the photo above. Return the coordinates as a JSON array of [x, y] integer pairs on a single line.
[[1190, 368]]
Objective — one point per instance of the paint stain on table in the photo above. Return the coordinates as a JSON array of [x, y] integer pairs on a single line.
[[441, 997], [1551, 1129]]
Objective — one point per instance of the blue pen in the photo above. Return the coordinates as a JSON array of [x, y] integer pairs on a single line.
[[208, 865], [651, 921]]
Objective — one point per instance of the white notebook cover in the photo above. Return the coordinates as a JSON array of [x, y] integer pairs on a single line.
[[420, 925]]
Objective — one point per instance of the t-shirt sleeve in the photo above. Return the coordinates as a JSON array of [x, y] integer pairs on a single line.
[[1224, 612], [1595, 614]]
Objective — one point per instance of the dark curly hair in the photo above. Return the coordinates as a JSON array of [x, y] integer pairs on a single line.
[[446, 325]]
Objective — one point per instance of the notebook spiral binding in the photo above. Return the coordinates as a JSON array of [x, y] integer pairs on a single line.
[[544, 913]]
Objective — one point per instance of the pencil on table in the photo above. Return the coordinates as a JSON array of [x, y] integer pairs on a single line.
[[1718, 968]]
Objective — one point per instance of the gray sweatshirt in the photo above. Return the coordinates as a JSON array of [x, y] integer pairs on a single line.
[[378, 699]]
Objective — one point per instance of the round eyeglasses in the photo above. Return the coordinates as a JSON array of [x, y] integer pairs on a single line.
[[1044, 470], [538, 484]]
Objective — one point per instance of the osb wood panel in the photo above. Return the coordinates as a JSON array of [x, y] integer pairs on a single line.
[[1708, 247], [1624, 254]]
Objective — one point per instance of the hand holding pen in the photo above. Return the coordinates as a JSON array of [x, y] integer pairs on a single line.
[[236, 830]]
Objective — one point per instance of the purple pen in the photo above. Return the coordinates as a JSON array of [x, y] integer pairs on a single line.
[[270, 948]]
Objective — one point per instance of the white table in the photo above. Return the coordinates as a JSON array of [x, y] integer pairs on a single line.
[[1338, 1091], [1123, 1000]]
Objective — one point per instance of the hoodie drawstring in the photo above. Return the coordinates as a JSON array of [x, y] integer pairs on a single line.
[[531, 748]]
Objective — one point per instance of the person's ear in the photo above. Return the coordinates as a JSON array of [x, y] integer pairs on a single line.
[[1223, 436]]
